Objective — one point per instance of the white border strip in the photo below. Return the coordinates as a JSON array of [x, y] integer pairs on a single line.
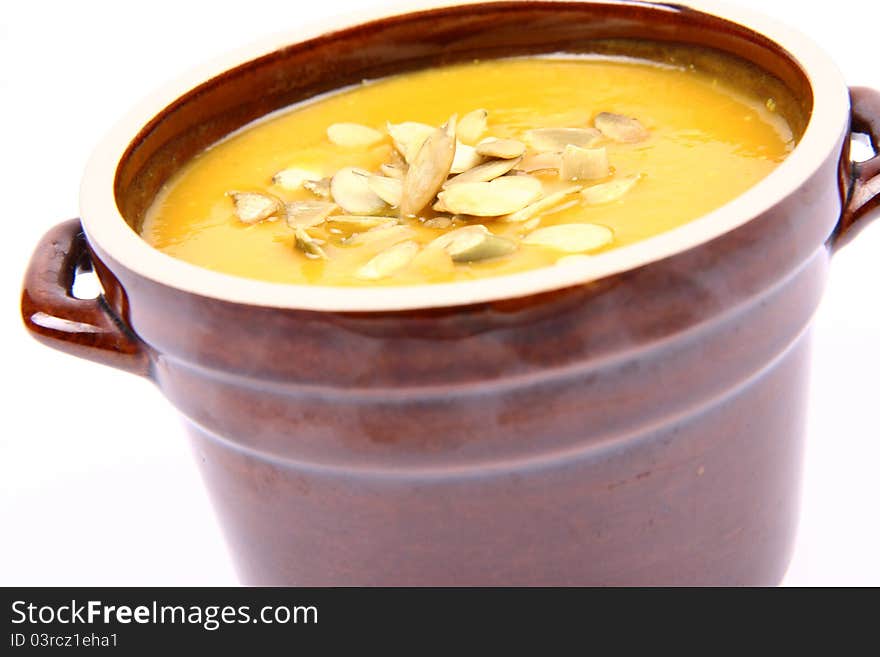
[[109, 232]]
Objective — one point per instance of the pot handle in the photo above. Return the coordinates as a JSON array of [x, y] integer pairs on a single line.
[[83, 327], [864, 191]]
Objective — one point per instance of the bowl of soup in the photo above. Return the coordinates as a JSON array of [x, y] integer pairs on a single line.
[[490, 293]]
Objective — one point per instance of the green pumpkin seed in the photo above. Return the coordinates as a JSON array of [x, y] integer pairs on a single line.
[[609, 191], [388, 189], [392, 171], [353, 135], [491, 247], [473, 231], [620, 128], [584, 163], [571, 238], [254, 207], [472, 126], [389, 261], [408, 137], [308, 244], [308, 214], [540, 205], [491, 199], [541, 162], [319, 187], [466, 157], [473, 244], [428, 170], [531, 224], [506, 149], [351, 190], [292, 178], [389, 233], [437, 222], [483, 173]]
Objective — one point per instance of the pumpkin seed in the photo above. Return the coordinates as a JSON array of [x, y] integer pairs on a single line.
[[308, 244], [540, 205], [438, 222], [408, 137], [388, 189], [561, 207], [571, 238], [254, 207], [357, 223], [531, 224], [584, 163], [390, 233], [320, 187], [353, 135], [308, 214], [483, 173], [292, 178], [473, 243], [351, 190], [490, 199], [506, 149], [491, 247], [541, 162], [609, 191], [472, 126], [428, 170], [555, 139], [389, 261], [466, 232], [392, 171], [620, 128], [466, 157]]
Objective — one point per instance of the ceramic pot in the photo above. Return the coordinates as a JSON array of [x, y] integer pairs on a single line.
[[636, 419]]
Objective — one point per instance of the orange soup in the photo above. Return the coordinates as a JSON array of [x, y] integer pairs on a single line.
[[469, 171]]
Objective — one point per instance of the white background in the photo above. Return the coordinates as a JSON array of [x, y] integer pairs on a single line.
[[97, 485]]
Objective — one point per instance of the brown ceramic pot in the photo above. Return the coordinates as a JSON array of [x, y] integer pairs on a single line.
[[634, 420]]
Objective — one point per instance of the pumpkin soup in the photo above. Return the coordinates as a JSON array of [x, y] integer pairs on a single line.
[[469, 171]]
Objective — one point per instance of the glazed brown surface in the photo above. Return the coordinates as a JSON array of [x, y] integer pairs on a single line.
[[864, 193], [82, 327], [644, 429]]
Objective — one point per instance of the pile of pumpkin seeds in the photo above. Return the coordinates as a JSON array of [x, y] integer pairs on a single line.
[[455, 178]]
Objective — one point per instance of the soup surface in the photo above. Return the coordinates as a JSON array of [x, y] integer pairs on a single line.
[[462, 172]]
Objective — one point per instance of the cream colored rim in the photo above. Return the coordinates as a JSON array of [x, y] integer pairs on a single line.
[[107, 230]]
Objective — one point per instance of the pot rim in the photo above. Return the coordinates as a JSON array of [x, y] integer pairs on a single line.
[[108, 231]]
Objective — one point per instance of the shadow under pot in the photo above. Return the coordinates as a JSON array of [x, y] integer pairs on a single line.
[[438, 436]]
